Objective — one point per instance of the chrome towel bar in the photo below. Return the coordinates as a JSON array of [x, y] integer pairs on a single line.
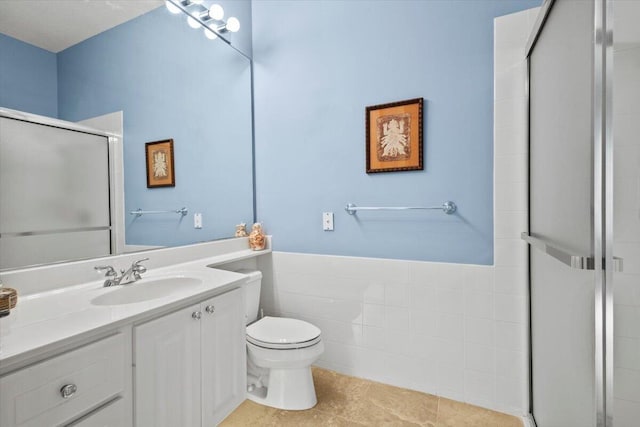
[[140, 212], [447, 207], [580, 262]]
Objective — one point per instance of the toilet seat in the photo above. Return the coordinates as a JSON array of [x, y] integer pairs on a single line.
[[282, 333]]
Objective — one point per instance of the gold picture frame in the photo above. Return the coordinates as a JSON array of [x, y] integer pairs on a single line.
[[160, 167], [394, 136]]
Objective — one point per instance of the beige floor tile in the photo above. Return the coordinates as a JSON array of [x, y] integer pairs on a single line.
[[345, 401], [249, 414], [372, 403], [456, 414], [338, 394], [413, 406], [385, 405], [311, 417]]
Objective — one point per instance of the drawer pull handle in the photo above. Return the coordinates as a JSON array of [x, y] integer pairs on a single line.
[[68, 390], [210, 309], [196, 315]]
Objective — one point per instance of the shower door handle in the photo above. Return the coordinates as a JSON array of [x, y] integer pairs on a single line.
[[579, 262]]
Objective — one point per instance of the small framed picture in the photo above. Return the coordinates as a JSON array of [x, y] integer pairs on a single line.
[[160, 172], [394, 136]]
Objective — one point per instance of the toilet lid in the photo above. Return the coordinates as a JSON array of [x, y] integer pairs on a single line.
[[279, 332]]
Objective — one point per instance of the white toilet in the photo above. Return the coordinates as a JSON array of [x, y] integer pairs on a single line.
[[280, 352]]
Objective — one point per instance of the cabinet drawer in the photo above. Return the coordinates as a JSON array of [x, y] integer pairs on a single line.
[[113, 415], [33, 396]]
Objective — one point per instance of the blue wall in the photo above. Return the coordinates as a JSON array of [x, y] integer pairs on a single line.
[[314, 77], [171, 82], [28, 78]]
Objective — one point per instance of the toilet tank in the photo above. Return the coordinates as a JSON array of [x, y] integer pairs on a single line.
[[251, 294]]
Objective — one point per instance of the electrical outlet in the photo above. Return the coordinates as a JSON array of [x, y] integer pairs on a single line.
[[197, 220], [327, 221]]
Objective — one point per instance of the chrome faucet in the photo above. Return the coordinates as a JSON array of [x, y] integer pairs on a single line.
[[133, 274], [111, 275]]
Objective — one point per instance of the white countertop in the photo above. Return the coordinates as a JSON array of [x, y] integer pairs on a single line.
[[48, 321]]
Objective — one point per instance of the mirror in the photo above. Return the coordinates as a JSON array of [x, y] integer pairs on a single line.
[[168, 80]]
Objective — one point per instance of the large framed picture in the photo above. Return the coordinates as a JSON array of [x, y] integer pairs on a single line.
[[160, 172], [394, 136]]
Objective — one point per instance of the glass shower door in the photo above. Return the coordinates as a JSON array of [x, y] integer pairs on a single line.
[[567, 216]]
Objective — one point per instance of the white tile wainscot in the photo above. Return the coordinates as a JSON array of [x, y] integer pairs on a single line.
[[432, 327], [510, 210]]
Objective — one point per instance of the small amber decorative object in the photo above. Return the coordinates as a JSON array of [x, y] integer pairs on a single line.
[[8, 300], [241, 230], [257, 239]]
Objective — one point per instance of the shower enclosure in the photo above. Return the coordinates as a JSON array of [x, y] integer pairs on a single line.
[[55, 191], [584, 213]]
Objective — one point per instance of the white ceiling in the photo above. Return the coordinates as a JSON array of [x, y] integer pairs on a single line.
[[55, 25]]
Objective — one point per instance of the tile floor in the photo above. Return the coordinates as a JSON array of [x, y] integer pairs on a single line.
[[350, 401]]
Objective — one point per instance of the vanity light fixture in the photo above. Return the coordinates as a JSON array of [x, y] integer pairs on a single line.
[[172, 7], [216, 12], [233, 25], [210, 34], [199, 15], [193, 23]]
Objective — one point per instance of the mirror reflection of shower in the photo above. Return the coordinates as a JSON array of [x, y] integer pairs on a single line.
[[126, 66]]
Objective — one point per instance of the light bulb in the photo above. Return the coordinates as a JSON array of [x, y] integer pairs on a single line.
[[210, 34], [192, 22], [233, 24], [171, 7], [216, 12]]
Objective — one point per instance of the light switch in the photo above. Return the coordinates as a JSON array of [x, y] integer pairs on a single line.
[[197, 220], [327, 221]]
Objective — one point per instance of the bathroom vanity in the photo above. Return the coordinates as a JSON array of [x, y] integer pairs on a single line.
[[166, 350], [190, 364]]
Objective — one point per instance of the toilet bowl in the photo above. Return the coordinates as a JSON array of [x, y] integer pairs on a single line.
[[280, 352]]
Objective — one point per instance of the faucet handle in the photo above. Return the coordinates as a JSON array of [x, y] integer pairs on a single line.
[[110, 270], [139, 268]]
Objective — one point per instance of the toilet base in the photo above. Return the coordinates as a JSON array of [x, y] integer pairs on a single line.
[[289, 389]]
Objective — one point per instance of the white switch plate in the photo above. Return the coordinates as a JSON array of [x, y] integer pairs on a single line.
[[197, 220], [327, 221]]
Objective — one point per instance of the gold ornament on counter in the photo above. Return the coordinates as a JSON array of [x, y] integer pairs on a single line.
[[241, 230], [257, 239]]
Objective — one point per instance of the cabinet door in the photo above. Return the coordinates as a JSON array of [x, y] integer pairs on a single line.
[[167, 371], [223, 356]]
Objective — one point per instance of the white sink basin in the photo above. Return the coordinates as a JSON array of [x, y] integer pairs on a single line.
[[145, 290]]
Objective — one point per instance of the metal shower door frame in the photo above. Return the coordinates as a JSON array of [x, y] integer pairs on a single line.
[[602, 258]]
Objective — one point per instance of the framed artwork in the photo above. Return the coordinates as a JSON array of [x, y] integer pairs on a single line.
[[394, 136], [160, 172]]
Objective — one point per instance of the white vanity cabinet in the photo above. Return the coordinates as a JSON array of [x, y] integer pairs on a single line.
[[223, 350], [189, 366], [83, 383]]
